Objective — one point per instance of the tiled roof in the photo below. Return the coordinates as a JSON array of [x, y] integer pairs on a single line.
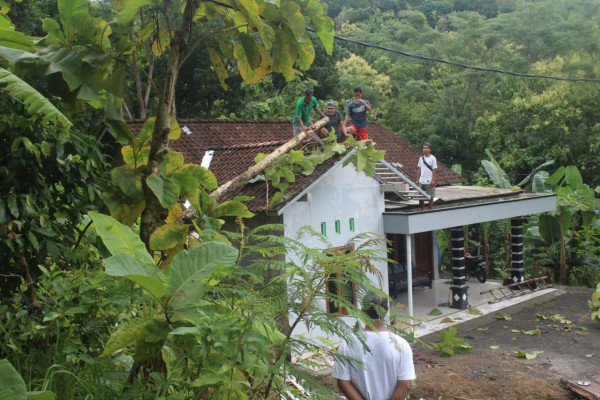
[[228, 162], [237, 142]]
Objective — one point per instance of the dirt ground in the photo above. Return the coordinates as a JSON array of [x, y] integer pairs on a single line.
[[570, 351]]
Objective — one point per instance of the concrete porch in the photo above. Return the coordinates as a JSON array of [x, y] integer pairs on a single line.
[[439, 296]]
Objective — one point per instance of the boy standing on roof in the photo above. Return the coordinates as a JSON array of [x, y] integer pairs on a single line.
[[427, 166], [356, 115], [306, 103]]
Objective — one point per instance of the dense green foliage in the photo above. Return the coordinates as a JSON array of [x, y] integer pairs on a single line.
[[130, 318]]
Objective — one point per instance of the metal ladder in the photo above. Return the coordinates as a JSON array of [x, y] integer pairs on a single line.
[[386, 173], [517, 289]]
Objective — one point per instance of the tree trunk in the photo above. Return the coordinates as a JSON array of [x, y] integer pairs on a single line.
[[154, 214], [241, 179]]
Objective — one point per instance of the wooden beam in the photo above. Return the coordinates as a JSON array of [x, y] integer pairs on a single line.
[[587, 389]]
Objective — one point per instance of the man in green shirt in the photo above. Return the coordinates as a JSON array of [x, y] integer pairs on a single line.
[[302, 114]]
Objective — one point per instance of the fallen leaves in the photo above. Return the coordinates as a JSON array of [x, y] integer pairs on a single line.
[[505, 317], [528, 356], [555, 317], [475, 311]]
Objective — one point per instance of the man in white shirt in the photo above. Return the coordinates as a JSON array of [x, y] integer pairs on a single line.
[[384, 369], [427, 167]]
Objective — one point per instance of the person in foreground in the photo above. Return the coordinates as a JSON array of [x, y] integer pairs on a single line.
[[385, 370]]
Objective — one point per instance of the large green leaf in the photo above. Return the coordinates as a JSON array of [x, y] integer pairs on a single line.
[[316, 12], [189, 176], [294, 19], [14, 40], [139, 158], [123, 208], [306, 53], [68, 9], [538, 184], [165, 191], [172, 161], [250, 8], [12, 385], [147, 276], [536, 169], [118, 238], [34, 102], [174, 129], [129, 181], [250, 74], [120, 131], [168, 236], [189, 268], [161, 42], [549, 228], [232, 209], [129, 11], [573, 177], [285, 54], [128, 334], [219, 67], [496, 174]]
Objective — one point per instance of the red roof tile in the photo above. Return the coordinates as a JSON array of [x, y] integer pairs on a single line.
[[237, 142]]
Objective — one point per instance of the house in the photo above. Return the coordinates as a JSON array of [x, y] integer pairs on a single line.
[[340, 202]]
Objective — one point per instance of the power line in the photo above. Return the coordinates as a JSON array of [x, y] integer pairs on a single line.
[[440, 60], [456, 64]]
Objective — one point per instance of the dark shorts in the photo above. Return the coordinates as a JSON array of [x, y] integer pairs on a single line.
[[429, 189], [361, 133]]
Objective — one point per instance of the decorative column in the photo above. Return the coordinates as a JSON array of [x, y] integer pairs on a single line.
[[517, 272], [459, 277]]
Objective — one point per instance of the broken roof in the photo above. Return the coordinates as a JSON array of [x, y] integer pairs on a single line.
[[233, 144]]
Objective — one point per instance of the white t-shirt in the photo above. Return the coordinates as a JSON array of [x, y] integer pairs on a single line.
[[426, 173], [378, 372]]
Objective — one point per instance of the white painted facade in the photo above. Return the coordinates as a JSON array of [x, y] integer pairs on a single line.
[[341, 194]]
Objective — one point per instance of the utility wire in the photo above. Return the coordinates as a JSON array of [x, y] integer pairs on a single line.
[[439, 60]]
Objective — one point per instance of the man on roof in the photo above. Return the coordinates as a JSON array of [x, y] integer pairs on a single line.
[[304, 105], [356, 116], [336, 121], [427, 170]]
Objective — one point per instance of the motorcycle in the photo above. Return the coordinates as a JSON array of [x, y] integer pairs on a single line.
[[475, 266]]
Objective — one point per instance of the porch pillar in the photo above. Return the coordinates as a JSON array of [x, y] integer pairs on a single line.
[[517, 271], [459, 278], [409, 274]]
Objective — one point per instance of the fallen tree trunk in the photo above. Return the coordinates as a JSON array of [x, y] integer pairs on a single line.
[[243, 178]]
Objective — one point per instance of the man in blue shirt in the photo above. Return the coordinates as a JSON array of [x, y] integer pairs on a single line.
[[356, 116]]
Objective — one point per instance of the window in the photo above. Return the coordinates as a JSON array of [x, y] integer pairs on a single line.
[[323, 228], [351, 224], [340, 286], [338, 228]]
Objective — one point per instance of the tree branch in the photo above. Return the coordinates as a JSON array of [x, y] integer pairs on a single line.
[[266, 162]]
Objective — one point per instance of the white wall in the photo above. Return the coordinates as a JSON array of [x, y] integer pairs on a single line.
[[340, 195]]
